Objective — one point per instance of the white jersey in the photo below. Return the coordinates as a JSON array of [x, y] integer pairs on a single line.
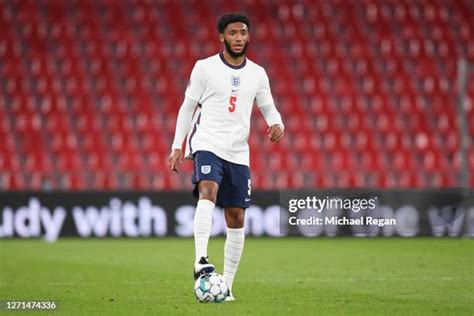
[[226, 95]]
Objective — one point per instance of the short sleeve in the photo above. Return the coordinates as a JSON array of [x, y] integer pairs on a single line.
[[196, 82], [264, 94]]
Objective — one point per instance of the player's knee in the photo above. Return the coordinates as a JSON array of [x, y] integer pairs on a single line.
[[208, 192], [235, 218]]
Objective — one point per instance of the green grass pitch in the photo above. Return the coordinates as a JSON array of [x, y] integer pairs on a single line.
[[320, 276]]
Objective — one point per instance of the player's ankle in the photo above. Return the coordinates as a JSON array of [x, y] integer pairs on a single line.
[[198, 258]]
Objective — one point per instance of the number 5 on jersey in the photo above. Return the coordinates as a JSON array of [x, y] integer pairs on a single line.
[[232, 101]]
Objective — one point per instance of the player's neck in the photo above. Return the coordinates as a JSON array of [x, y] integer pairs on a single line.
[[234, 61]]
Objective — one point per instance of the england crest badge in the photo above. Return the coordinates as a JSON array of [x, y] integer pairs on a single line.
[[206, 169], [235, 80]]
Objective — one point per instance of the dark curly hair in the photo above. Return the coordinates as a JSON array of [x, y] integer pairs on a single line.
[[232, 18]]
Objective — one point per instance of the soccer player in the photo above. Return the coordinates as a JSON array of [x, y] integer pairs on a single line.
[[215, 116]]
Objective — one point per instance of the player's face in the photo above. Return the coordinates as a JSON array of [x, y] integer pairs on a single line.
[[236, 38]]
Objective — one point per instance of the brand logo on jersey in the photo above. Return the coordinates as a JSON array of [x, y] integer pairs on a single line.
[[235, 80], [206, 169]]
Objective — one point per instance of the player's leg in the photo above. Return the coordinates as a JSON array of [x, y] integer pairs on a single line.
[[234, 244], [207, 176], [234, 196], [203, 225]]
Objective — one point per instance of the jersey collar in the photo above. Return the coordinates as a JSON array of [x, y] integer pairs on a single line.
[[242, 65]]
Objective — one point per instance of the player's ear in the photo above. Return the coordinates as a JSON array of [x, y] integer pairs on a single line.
[[221, 37]]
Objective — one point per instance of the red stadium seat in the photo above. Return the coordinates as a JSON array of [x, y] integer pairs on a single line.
[[368, 104], [13, 181]]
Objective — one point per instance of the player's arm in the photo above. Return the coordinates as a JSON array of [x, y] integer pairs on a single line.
[[269, 111], [193, 94], [273, 118], [183, 124]]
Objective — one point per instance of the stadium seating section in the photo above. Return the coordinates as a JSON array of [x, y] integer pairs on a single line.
[[368, 90]]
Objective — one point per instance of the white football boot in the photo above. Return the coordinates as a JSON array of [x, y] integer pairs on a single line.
[[202, 267]]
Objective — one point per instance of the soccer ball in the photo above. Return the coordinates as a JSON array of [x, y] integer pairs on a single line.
[[210, 288]]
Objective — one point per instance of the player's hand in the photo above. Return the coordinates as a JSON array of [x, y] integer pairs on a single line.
[[175, 159], [275, 133]]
